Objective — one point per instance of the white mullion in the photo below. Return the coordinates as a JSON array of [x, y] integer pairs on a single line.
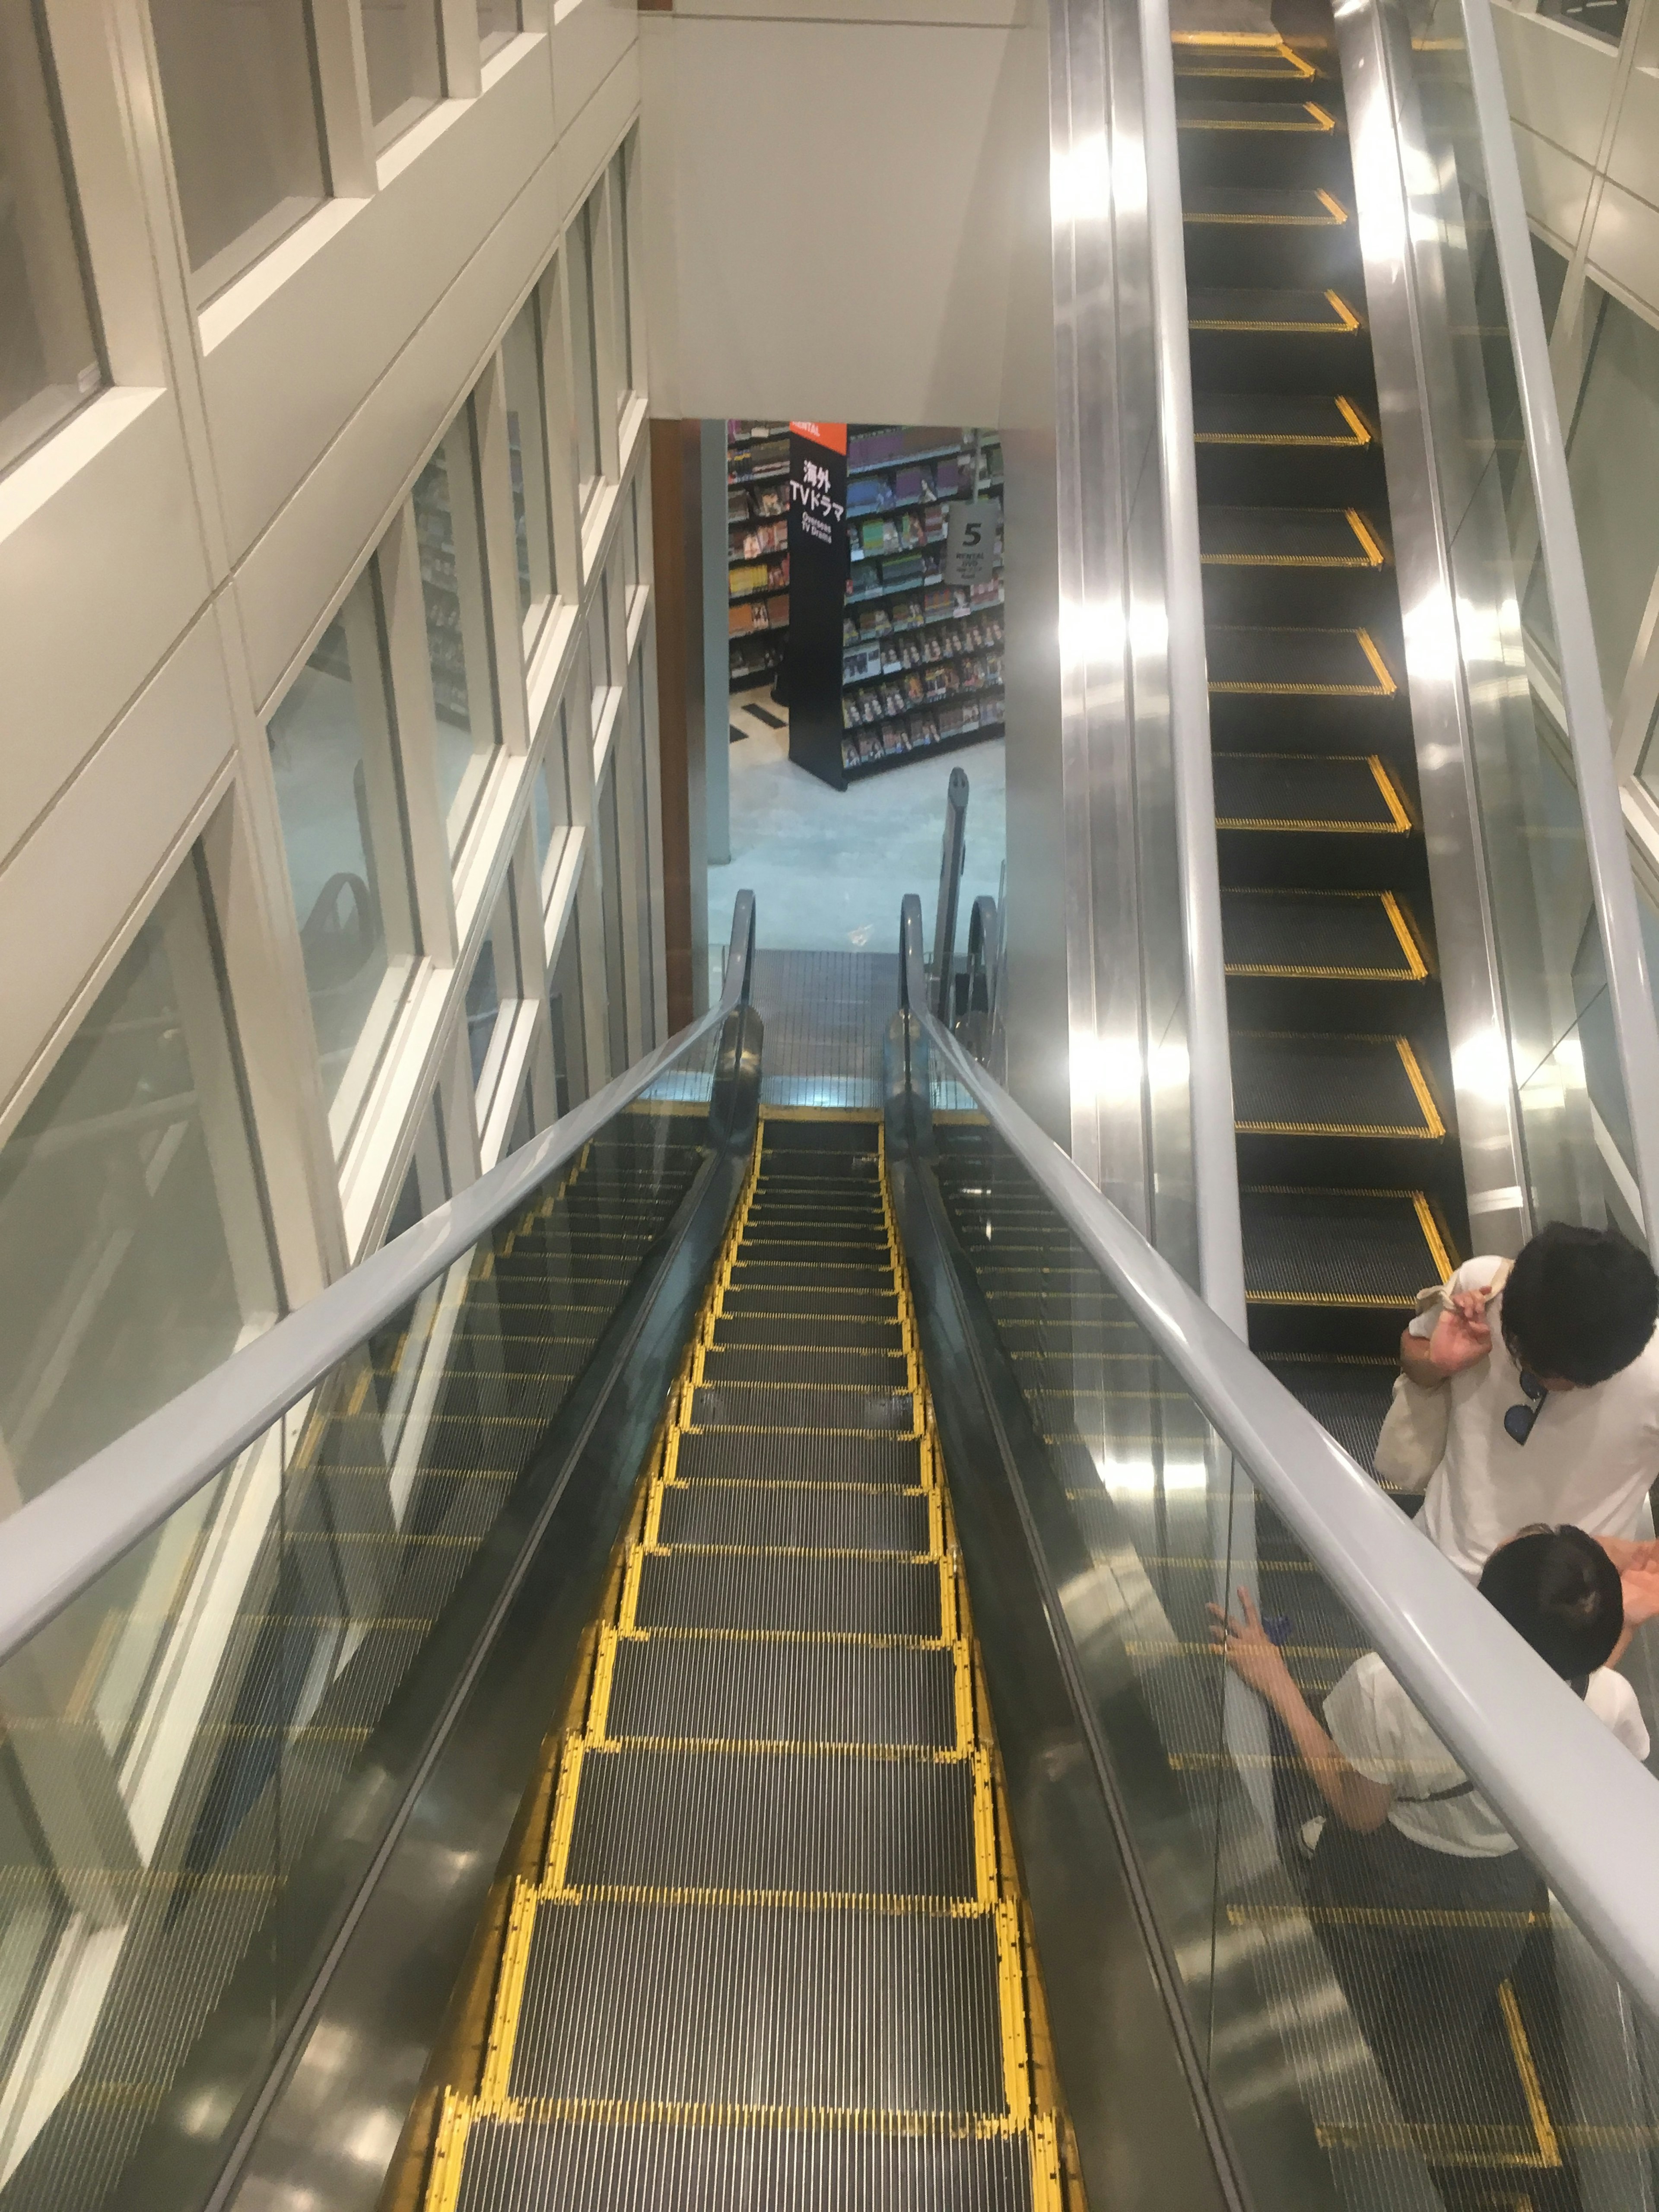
[[499, 554], [342, 62], [602, 260], [463, 69], [399, 563]]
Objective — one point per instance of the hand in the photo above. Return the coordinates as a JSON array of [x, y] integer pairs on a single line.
[[1627, 1552], [1462, 1335], [1248, 1649], [1640, 1584]]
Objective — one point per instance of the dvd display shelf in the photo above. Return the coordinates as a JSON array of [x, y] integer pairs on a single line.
[[757, 550], [921, 661]]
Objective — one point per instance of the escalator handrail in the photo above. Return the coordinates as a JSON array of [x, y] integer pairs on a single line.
[[59, 1542], [1574, 1798], [1588, 735]]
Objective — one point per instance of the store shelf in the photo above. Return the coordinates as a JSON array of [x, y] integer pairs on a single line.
[[910, 460], [855, 771]]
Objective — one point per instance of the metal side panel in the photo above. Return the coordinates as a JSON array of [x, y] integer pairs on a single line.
[[332, 2125]]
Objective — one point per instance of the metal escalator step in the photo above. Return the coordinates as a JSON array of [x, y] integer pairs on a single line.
[[1227, 308], [870, 1333], [1360, 935], [1358, 1086], [781, 1405], [804, 1247], [761, 1691], [1326, 663], [805, 1274], [810, 1593], [1349, 1397], [759, 1457], [1352, 794], [832, 1824], [1303, 207], [1303, 117], [1278, 418], [1336, 1248], [1287, 537], [688, 2166], [811, 1298], [779, 2006], [878, 1368], [810, 1516]]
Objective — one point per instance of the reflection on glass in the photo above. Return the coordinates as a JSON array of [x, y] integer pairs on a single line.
[[49, 361], [1550, 269], [564, 1006], [1613, 460], [132, 1246], [526, 436], [524, 1122], [608, 857], [550, 800], [336, 792], [402, 43], [498, 21], [584, 352], [284, 1686], [242, 127], [1602, 19], [457, 623], [483, 1006]]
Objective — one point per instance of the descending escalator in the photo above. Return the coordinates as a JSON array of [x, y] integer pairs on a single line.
[[776, 1953], [1352, 1196]]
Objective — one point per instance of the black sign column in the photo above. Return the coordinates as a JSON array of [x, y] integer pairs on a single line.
[[818, 568]]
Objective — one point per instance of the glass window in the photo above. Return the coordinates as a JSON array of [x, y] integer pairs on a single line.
[[1550, 269], [336, 792], [457, 623], [584, 356], [243, 127], [549, 800], [527, 453], [493, 983], [631, 538], [599, 649], [608, 857], [621, 218], [1612, 458], [402, 40], [524, 1122], [498, 21], [564, 1006], [1602, 19], [133, 1254], [48, 353]]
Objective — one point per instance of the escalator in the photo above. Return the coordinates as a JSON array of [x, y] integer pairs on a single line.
[[774, 1952], [1351, 1189]]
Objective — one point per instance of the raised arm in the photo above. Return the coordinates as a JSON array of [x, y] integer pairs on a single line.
[[1357, 1800]]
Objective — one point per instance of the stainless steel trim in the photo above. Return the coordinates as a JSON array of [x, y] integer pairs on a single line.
[[1571, 1795], [1628, 986], [1209, 1059], [62, 1541], [953, 853]]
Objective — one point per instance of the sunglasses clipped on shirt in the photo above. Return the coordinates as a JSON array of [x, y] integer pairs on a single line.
[[1520, 1421]]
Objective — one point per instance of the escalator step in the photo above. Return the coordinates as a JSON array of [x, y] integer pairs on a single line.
[[774, 1406], [583, 2166], [877, 1369], [1327, 664], [762, 1458], [1330, 1086], [809, 1593], [752, 2005], [804, 1246], [1352, 794], [1303, 207], [803, 1517], [839, 1824], [757, 1690], [1349, 1397], [1338, 1248], [809, 1298], [1200, 55], [1287, 537], [1226, 308], [820, 1277], [1278, 418], [807, 1330], [1301, 118], [1363, 935]]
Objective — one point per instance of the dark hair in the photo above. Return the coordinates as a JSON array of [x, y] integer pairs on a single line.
[[1560, 1591], [1580, 1303]]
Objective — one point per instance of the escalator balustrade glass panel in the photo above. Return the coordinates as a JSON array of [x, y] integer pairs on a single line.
[[1377, 2031], [775, 1950], [200, 1756]]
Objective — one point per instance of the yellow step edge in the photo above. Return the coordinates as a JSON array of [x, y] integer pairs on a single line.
[[443, 2188], [1011, 1987], [510, 1998], [563, 1824], [892, 1905]]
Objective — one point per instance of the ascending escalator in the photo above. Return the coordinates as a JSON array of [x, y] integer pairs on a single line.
[[776, 1954], [1352, 1196]]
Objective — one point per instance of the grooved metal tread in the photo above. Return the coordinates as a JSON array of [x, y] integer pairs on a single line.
[[868, 1365], [776, 1690], [810, 1297], [732, 1331], [1304, 206], [1258, 307], [784, 1406], [801, 1458], [1348, 1397], [1338, 1248], [1322, 792], [1336, 664], [1288, 537], [811, 1593], [807, 1516], [838, 1824], [1304, 118], [1330, 1085], [1279, 418], [1361, 936], [669, 2165]]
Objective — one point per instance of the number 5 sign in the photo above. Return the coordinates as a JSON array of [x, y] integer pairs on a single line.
[[970, 549]]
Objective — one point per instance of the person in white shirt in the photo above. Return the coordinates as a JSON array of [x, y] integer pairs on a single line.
[[1554, 1386], [1421, 1898]]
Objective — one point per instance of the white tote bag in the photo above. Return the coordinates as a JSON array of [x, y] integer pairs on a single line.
[[1413, 1439]]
